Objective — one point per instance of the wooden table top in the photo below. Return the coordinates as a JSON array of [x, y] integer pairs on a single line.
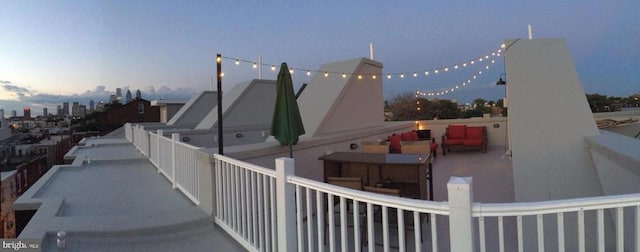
[[377, 158]]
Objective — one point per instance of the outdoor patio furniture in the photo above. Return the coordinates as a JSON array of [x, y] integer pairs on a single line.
[[375, 147], [460, 137]]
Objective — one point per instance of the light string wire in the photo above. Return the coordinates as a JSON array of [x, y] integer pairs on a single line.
[[451, 89], [426, 72]]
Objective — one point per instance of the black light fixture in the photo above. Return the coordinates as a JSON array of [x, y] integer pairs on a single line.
[[501, 81]]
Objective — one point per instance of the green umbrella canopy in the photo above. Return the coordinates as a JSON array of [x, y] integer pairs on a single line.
[[286, 125]]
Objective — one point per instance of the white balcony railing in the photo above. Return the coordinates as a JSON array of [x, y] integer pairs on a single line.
[[267, 210], [175, 160]]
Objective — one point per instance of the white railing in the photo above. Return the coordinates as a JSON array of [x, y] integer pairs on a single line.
[[347, 214], [267, 210], [246, 203], [186, 167], [141, 140], [154, 151], [565, 215], [177, 161], [128, 132]]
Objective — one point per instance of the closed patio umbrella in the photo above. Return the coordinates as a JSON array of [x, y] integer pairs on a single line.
[[286, 125]]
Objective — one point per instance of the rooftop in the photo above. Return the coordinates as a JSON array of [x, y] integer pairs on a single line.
[[116, 196], [123, 192]]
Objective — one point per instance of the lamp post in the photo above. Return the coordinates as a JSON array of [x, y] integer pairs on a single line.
[[219, 94]]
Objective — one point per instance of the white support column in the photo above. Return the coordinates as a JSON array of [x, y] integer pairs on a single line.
[[285, 200], [174, 140], [460, 220]]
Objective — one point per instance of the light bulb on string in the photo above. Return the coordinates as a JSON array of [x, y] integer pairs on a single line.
[[401, 75], [373, 76], [388, 76], [255, 65], [344, 75], [308, 72], [291, 71], [426, 72], [326, 74], [237, 62], [273, 67]]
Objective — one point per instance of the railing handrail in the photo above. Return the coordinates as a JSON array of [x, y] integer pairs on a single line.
[[554, 206], [249, 166], [417, 205]]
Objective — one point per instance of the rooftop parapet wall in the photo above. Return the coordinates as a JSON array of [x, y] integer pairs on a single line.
[[548, 119], [247, 104], [192, 113], [617, 161], [333, 104]]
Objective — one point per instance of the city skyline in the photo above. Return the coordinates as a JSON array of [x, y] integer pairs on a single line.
[[64, 50]]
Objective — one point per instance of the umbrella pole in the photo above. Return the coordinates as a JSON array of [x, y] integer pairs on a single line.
[[291, 150]]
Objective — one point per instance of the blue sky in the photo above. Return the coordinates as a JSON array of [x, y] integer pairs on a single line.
[[54, 51]]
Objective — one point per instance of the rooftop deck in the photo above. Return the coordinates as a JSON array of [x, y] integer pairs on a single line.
[[118, 202]]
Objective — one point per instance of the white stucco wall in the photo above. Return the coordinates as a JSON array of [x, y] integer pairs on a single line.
[[549, 118], [247, 104], [194, 110], [333, 104]]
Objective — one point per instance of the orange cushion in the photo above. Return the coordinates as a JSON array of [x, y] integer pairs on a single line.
[[405, 136], [472, 142], [456, 131], [453, 141], [394, 143], [414, 136], [474, 132]]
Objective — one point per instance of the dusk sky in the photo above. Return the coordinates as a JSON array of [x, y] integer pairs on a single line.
[[55, 51]]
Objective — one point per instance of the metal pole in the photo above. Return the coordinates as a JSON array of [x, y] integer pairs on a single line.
[[219, 71]]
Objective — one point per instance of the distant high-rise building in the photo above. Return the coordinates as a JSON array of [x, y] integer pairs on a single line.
[[112, 99], [1, 114], [138, 95], [59, 110], [82, 111], [65, 108], [128, 97], [74, 109], [45, 112], [92, 106], [100, 106], [119, 94], [27, 113], [14, 113]]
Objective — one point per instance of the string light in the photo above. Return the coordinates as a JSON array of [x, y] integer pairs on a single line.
[[455, 87], [427, 72]]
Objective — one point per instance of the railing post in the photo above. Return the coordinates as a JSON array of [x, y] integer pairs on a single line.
[[174, 156], [159, 135], [285, 200], [460, 219]]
